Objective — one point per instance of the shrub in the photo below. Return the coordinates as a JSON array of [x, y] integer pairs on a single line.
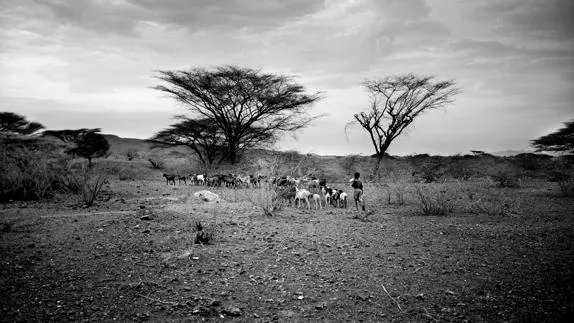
[[434, 200], [507, 179], [128, 174], [157, 162], [86, 184], [204, 234], [565, 180], [132, 154], [269, 200], [30, 169]]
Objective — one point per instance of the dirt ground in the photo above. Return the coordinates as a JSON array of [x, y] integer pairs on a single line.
[[132, 257]]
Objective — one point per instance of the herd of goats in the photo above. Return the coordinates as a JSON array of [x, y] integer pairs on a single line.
[[307, 190]]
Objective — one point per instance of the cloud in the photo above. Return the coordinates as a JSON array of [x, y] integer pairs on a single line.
[[529, 18]]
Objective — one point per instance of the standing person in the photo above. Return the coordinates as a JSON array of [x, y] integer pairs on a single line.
[[357, 186]]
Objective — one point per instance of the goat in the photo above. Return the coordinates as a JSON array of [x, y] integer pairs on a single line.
[[170, 178], [317, 200], [344, 199], [199, 179], [244, 181], [327, 192], [336, 198], [181, 178], [302, 194]]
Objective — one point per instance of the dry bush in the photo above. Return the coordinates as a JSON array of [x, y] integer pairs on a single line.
[[507, 179], [86, 184], [434, 200], [30, 169], [562, 173], [204, 234], [156, 162], [132, 154], [484, 197], [268, 199], [566, 185], [128, 174]]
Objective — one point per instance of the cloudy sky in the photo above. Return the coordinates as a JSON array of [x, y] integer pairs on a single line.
[[90, 63]]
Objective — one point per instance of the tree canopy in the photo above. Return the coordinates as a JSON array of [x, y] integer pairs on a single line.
[[87, 143], [249, 108], [560, 140], [13, 123], [396, 101], [202, 135]]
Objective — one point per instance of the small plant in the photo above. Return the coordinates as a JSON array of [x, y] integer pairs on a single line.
[[127, 174], [565, 180], [86, 184], [566, 185], [204, 234], [156, 162], [269, 200], [506, 179], [433, 200], [132, 154], [400, 190]]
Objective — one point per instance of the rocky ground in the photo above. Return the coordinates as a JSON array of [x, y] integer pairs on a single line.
[[133, 257]]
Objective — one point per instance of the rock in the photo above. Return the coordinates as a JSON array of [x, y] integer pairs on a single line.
[[207, 196], [214, 303], [232, 311]]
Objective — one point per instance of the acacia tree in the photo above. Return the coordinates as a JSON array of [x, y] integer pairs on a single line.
[[560, 140], [249, 107], [86, 143], [13, 123], [201, 135], [396, 101]]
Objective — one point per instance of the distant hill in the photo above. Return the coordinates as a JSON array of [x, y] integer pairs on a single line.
[[120, 146], [509, 153]]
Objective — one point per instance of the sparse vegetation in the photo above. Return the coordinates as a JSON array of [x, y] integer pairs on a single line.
[[434, 200]]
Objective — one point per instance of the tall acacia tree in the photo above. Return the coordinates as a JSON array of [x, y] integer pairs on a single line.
[[560, 140], [396, 101], [13, 123], [248, 106]]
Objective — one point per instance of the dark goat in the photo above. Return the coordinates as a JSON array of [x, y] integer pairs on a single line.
[[170, 178]]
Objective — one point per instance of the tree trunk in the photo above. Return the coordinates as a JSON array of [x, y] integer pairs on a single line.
[[377, 165]]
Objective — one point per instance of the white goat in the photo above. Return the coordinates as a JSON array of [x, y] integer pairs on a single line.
[[327, 193], [317, 201], [344, 198], [302, 194]]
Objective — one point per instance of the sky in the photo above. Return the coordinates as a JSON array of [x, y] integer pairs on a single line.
[[92, 63]]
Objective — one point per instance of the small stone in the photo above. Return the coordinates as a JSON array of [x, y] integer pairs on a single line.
[[232, 311], [214, 303]]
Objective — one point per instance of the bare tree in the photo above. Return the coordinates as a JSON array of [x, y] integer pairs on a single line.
[[396, 101], [250, 108]]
